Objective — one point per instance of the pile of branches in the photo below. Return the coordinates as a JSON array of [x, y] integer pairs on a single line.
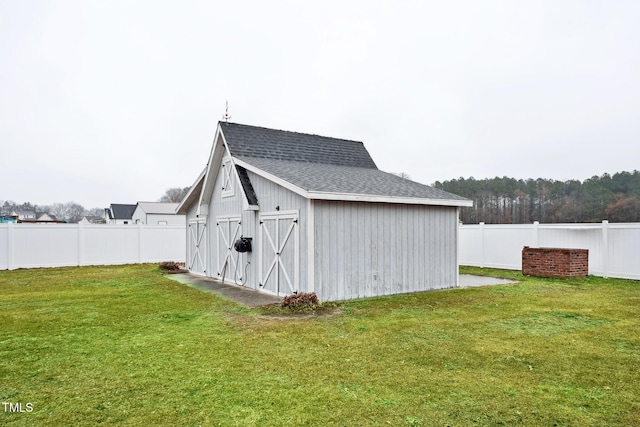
[[301, 301]]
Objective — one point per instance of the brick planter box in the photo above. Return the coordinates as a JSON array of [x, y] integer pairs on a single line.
[[555, 262]]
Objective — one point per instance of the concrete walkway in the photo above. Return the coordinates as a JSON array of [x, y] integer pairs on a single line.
[[253, 298], [469, 281], [239, 294]]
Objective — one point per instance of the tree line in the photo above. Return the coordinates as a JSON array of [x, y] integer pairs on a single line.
[[495, 201], [511, 201]]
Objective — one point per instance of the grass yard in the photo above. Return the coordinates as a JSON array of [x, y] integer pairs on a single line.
[[123, 345]]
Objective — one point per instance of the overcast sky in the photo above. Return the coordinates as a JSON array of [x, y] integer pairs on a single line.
[[115, 101]]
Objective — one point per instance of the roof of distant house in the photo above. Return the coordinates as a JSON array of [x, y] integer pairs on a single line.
[[121, 211], [44, 216]]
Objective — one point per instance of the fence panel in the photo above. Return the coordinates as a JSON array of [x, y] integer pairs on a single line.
[[488, 246], [587, 236], [470, 246], [506, 251], [613, 248], [58, 245], [623, 254], [115, 244], [164, 242], [39, 245]]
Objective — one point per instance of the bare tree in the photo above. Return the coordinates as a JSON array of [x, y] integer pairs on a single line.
[[70, 212], [76, 212], [58, 210], [94, 212], [174, 195]]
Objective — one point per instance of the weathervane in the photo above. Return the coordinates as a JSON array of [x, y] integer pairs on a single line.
[[226, 116]]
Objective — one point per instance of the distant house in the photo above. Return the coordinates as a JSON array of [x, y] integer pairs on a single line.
[[6, 219], [92, 219], [119, 213], [41, 218], [157, 213], [21, 215], [45, 217]]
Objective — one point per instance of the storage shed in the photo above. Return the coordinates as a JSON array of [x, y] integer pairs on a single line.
[[286, 212], [157, 213]]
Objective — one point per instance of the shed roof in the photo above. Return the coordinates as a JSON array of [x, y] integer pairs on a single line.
[[253, 141], [319, 164], [158, 207], [329, 178], [316, 167]]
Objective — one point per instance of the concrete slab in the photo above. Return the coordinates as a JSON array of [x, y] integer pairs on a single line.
[[239, 294], [253, 298], [469, 281]]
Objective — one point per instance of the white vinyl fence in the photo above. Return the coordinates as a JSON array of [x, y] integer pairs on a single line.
[[58, 245], [614, 249]]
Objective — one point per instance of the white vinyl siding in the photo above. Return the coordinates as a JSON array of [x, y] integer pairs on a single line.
[[367, 249]]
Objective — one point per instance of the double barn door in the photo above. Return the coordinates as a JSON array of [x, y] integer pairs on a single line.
[[277, 246]]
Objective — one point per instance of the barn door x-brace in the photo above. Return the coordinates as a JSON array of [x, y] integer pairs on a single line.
[[279, 236], [229, 228], [197, 246]]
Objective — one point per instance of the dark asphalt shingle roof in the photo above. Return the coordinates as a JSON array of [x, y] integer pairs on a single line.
[[252, 141], [122, 211], [318, 164], [319, 177]]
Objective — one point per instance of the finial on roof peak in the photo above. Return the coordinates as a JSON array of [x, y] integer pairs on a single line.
[[226, 116]]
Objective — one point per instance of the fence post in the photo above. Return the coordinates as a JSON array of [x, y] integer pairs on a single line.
[[140, 241], [482, 245], [310, 261], [605, 248], [536, 235], [80, 244], [10, 246]]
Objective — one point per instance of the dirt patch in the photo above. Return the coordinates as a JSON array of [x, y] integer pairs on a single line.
[[300, 316]]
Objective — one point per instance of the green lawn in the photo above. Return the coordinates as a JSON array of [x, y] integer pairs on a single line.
[[124, 345]]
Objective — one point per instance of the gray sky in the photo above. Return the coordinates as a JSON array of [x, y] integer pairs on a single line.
[[115, 101]]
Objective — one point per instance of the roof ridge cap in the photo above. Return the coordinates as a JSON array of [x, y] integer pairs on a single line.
[[290, 132]]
